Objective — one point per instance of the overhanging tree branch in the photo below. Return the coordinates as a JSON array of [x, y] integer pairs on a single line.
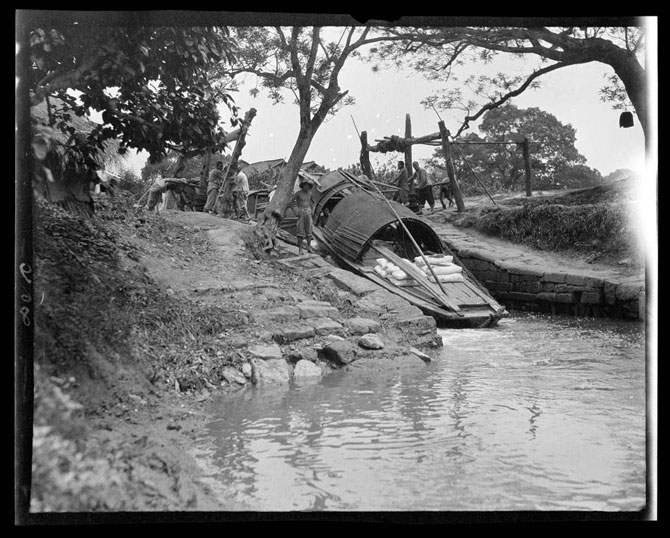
[[508, 96]]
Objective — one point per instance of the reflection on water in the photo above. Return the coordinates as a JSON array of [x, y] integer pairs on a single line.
[[539, 413]]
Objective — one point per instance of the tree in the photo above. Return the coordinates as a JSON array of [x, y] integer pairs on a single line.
[[304, 62], [552, 149], [438, 51], [150, 84]]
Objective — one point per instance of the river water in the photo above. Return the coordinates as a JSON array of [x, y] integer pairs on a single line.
[[539, 413]]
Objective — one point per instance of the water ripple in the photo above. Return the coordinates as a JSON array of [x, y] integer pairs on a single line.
[[539, 414]]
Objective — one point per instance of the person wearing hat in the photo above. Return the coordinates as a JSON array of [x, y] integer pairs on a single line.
[[303, 206]]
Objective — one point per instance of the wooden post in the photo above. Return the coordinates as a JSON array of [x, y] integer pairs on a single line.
[[446, 147], [204, 173], [526, 161], [241, 139], [408, 148], [366, 167]]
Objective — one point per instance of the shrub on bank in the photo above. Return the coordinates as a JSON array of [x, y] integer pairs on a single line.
[[558, 227]]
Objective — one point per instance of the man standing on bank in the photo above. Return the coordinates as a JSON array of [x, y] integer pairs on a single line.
[[303, 207], [242, 189], [424, 187], [401, 182], [214, 183]]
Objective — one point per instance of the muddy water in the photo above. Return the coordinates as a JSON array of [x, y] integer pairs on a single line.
[[539, 413]]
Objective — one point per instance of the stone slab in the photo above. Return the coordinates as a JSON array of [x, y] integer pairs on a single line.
[[350, 282], [292, 332], [362, 325], [317, 311], [325, 326], [417, 324]]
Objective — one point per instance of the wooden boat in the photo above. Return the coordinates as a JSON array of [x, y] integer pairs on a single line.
[[359, 227]]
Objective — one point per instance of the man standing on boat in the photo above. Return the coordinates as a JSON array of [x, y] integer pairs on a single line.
[[424, 186], [401, 182]]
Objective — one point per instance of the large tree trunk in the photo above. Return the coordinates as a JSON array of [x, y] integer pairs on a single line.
[[634, 79], [266, 230]]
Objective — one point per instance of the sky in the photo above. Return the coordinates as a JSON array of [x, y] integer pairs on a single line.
[[383, 99]]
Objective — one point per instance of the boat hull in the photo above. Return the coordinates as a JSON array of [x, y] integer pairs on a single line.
[[473, 317]]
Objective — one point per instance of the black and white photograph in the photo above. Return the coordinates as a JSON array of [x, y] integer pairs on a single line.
[[298, 267]]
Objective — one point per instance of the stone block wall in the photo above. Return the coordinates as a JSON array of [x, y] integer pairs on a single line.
[[535, 288]]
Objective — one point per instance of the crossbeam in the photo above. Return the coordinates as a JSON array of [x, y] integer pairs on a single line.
[[397, 143]]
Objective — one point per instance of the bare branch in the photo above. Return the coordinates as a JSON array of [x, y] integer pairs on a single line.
[[513, 93], [282, 38], [457, 52], [309, 70]]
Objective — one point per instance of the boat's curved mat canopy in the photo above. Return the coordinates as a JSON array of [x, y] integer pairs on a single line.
[[359, 216], [330, 185]]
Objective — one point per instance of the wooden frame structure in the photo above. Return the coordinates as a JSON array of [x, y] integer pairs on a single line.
[[404, 145]]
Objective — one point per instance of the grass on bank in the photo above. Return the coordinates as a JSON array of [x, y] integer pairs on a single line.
[[105, 336]]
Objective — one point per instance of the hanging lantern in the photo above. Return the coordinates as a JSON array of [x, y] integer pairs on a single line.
[[626, 119]]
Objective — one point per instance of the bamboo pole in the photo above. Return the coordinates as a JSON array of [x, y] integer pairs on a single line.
[[455, 189]]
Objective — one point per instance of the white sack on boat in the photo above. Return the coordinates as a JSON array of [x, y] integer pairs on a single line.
[[381, 262], [380, 270], [400, 275], [443, 269], [435, 260], [454, 277]]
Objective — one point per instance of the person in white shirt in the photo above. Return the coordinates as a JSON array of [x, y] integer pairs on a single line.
[[242, 189]]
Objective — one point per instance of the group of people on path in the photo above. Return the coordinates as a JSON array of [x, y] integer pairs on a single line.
[[225, 197], [421, 185]]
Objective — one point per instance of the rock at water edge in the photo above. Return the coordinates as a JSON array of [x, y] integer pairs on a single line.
[[305, 368], [340, 352], [270, 371]]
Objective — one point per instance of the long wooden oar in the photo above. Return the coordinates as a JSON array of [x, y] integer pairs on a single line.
[[418, 248]]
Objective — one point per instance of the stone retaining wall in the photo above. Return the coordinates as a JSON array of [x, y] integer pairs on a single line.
[[534, 288]]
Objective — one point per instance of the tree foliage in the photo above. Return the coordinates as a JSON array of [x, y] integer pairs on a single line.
[[555, 161], [150, 84], [438, 52]]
